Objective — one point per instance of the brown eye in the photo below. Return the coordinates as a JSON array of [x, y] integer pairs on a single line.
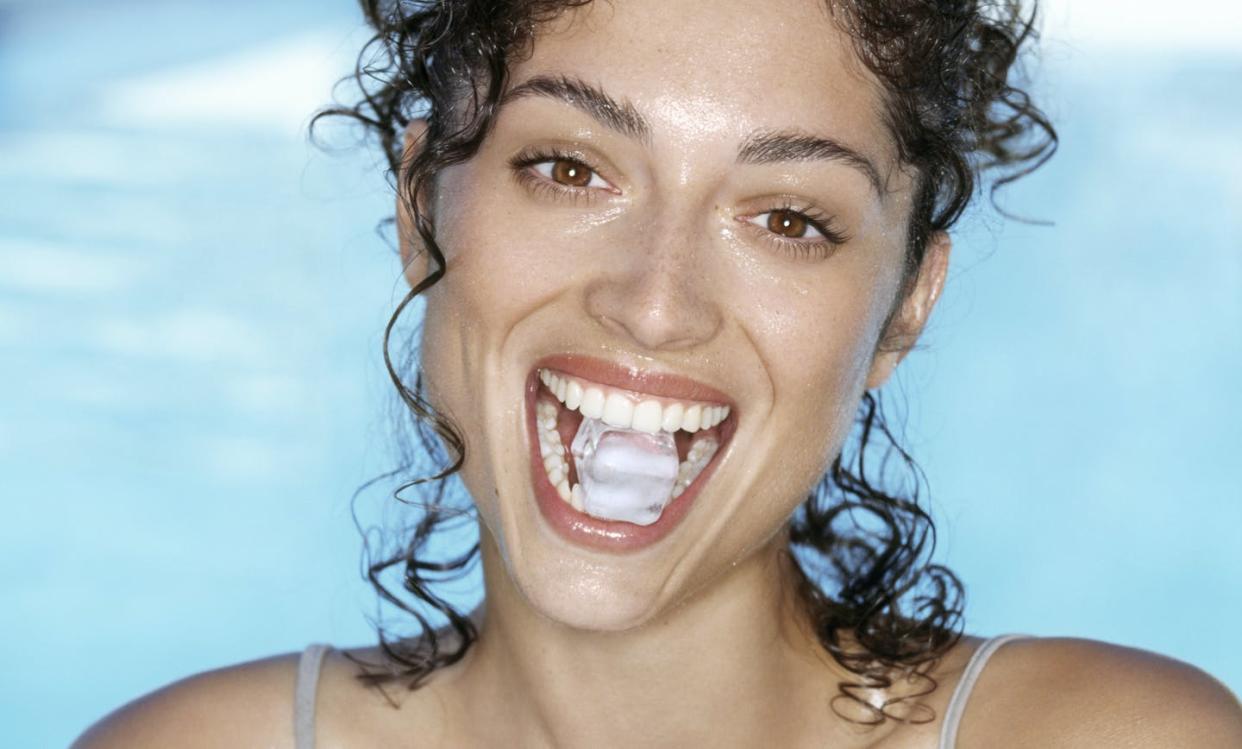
[[786, 224], [571, 173]]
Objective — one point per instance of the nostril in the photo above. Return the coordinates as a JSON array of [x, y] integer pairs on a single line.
[[610, 324]]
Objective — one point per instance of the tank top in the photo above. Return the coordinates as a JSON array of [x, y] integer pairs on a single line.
[[311, 660]]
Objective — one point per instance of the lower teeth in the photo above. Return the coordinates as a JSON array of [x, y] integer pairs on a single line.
[[638, 497]]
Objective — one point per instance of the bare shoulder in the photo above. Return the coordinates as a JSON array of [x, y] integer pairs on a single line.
[[247, 704], [1083, 693], [354, 711]]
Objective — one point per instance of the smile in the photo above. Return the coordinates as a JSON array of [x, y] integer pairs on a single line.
[[654, 423]]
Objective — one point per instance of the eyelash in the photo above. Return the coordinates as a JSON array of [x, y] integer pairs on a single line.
[[527, 158], [802, 250]]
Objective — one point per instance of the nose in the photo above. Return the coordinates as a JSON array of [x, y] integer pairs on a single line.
[[658, 289]]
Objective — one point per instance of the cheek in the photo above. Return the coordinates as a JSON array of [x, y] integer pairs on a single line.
[[490, 271], [816, 325], [498, 272], [816, 332], [497, 266]]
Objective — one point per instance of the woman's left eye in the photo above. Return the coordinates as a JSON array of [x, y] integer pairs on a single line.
[[788, 224], [805, 233]]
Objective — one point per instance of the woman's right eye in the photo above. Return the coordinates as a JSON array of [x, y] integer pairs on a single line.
[[559, 175], [570, 173]]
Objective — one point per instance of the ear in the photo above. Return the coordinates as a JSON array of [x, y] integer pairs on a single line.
[[911, 317], [413, 258]]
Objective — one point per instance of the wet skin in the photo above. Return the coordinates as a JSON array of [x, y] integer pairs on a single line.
[[661, 264], [669, 250]]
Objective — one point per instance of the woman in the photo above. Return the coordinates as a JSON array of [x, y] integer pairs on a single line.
[[669, 250]]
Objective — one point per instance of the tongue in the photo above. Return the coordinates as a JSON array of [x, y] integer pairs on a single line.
[[625, 474]]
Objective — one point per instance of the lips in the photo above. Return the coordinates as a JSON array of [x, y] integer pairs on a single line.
[[571, 524], [659, 384]]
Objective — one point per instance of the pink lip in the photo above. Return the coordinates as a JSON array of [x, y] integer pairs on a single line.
[[662, 384], [613, 536]]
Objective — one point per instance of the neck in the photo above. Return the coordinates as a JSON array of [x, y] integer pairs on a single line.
[[734, 665]]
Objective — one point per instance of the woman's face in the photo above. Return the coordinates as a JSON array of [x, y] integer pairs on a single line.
[[710, 214]]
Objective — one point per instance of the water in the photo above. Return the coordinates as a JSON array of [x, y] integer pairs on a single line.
[[192, 301]]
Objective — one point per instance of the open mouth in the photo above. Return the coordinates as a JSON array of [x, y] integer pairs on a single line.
[[630, 486]]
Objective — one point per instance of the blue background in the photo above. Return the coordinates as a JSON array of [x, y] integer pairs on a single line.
[[191, 307]]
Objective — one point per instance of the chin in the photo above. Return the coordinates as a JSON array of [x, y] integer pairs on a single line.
[[596, 600]]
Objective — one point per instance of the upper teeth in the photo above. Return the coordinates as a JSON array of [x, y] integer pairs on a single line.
[[628, 410]]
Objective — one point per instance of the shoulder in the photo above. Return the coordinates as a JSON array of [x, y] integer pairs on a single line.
[[248, 704], [1072, 692], [251, 704]]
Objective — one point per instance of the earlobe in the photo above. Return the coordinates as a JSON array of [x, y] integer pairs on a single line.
[[907, 325], [413, 258]]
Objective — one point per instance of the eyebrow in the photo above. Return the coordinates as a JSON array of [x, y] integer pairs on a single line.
[[621, 116], [789, 145], [764, 147]]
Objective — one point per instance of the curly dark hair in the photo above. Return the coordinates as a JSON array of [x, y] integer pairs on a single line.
[[860, 551]]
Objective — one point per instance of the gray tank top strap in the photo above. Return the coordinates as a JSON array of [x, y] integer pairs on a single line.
[[957, 703], [304, 695]]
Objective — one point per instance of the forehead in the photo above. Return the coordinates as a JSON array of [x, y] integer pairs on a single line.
[[708, 74]]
